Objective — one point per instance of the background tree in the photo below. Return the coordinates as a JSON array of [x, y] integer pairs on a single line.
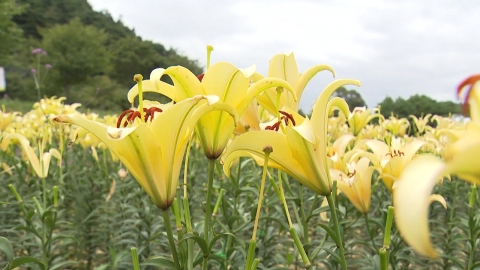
[[43, 23], [417, 105], [76, 52], [10, 33], [352, 97]]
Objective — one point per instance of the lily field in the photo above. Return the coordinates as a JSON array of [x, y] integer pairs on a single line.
[[229, 175]]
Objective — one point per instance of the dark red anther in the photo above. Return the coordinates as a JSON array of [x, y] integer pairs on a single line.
[[200, 77], [120, 118], [289, 116], [149, 113]]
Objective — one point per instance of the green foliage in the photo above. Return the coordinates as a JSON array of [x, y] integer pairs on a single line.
[[76, 51], [100, 216], [101, 93], [10, 33], [417, 105], [87, 50]]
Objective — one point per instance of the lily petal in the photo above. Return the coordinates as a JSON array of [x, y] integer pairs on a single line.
[[411, 199]]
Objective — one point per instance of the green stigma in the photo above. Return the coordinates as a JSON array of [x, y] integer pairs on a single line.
[[139, 78], [209, 52]]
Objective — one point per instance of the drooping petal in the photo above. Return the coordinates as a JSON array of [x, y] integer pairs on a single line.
[[411, 149], [319, 117], [99, 130], [308, 75], [379, 148], [411, 199], [185, 82], [259, 89], [29, 152]]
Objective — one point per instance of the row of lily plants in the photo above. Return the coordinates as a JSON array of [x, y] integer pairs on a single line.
[[228, 175]]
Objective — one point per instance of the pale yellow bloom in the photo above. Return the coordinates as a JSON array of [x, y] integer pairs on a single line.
[[229, 83], [299, 144], [153, 151], [356, 183], [284, 66], [392, 158], [41, 162], [360, 117]]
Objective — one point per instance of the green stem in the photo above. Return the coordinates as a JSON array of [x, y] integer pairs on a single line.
[[369, 231], [190, 243], [171, 241], [44, 186], [302, 215], [336, 226], [208, 210], [136, 265], [472, 224], [385, 250]]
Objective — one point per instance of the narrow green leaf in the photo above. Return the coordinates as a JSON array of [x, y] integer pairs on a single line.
[[6, 247], [159, 261], [23, 260], [330, 232], [200, 241]]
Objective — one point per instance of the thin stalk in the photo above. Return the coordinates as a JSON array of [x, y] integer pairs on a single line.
[[136, 265], [171, 241], [281, 195], [472, 224], [302, 215], [336, 226], [385, 250], [369, 232], [208, 210], [190, 243]]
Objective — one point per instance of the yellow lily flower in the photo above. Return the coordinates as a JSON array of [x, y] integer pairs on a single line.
[[229, 83], [360, 117], [249, 120], [6, 118], [337, 151], [397, 127], [284, 66], [153, 151], [357, 184], [299, 146], [41, 163], [392, 158], [421, 123]]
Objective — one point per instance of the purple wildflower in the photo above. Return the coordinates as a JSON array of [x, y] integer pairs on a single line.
[[37, 50], [48, 66], [33, 70]]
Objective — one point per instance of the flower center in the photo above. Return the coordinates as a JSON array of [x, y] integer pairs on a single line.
[[395, 153], [286, 117], [132, 114]]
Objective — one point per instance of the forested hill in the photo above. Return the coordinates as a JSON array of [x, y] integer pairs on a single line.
[[47, 13], [91, 54]]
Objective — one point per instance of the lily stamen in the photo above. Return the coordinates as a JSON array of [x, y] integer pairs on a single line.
[[287, 117], [149, 113]]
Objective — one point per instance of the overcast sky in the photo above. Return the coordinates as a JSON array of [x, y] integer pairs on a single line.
[[395, 48]]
